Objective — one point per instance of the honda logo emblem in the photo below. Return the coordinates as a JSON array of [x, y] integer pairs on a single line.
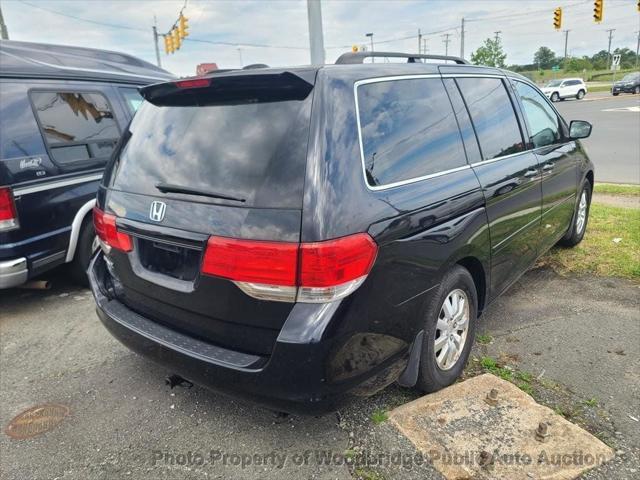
[[157, 211]]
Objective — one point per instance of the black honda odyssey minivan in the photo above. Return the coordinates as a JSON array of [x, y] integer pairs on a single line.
[[302, 236]]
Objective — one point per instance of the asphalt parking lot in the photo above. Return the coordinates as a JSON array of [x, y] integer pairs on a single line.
[[124, 422]]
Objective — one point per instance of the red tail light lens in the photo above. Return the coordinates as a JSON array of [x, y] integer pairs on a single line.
[[334, 262], [272, 263], [105, 226], [8, 214], [193, 83], [286, 271]]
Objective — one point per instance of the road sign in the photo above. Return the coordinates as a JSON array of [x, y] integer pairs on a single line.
[[555, 68], [615, 61]]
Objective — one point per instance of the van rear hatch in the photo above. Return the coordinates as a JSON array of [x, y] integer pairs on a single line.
[[220, 157]]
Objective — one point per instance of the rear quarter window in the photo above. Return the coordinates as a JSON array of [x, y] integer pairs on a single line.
[[408, 130], [77, 126], [19, 133]]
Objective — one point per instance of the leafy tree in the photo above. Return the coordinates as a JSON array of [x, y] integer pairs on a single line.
[[490, 54], [600, 60], [545, 58], [575, 64]]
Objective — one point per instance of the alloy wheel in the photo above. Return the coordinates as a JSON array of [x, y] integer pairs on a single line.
[[451, 329], [581, 219]]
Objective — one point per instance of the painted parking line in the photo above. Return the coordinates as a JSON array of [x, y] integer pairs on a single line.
[[623, 109]]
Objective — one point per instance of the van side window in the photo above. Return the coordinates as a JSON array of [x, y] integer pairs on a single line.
[[77, 126], [408, 130], [132, 98], [543, 122], [493, 116], [19, 136]]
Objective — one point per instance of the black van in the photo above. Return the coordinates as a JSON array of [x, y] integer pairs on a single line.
[[301, 236], [62, 110]]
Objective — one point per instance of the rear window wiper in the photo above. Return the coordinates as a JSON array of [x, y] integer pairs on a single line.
[[169, 188]]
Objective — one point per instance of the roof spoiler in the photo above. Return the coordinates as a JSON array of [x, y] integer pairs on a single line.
[[351, 58], [234, 87]]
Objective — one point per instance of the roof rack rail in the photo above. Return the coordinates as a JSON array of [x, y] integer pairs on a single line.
[[358, 57]]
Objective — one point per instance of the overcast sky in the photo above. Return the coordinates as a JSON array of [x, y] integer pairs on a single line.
[[125, 25]]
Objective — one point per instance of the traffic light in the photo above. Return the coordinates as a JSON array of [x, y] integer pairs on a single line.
[[177, 41], [354, 49], [598, 10], [168, 44], [183, 26], [557, 18]]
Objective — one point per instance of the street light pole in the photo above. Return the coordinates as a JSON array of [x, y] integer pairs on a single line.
[[609, 59], [155, 40], [4, 34], [316, 39], [370, 35]]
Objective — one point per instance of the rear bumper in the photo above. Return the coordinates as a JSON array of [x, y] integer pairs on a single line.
[[303, 374], [13, 272]]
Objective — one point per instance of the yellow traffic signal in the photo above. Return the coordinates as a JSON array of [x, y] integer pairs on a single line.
[[183, 26], [598, 10], [557, 18], [354, 49], [177, 41], [168, 44]]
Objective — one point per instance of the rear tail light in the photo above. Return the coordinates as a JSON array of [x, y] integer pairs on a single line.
[[8, 214], [288, 272], [105, 226], [193, 83]]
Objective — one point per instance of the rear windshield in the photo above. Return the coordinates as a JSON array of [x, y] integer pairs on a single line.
[[254, 151]]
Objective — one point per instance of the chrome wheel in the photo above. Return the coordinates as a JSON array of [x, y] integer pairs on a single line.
[[451, 329], [581, 219]]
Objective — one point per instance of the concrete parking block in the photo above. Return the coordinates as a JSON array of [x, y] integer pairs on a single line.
[[469, 431]]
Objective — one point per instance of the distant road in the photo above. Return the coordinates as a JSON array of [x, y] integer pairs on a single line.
[[614, 144]]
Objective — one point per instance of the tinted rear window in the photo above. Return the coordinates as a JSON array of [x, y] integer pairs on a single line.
[[408, 130], [493, 116], [253, 151]]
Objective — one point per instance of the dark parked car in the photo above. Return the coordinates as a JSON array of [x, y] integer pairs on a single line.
[[630, 83], [303, 236], [62, 110]]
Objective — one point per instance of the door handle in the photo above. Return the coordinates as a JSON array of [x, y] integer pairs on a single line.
[[548, 166], [531, 173]]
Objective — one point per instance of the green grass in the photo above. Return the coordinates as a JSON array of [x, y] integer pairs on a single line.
[[519, 378], [484, 339], [599, 88], [379, 416], [598, 253], [366, 474], [616, 189], [592, 402]]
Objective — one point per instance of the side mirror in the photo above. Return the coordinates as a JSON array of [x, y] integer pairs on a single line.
[[579, 129]]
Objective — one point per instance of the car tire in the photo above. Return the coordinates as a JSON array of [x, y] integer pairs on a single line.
[[637, 90], [615, 94], [578, 227], [580, 95], [442, 320], [555, 97], [84, 250]]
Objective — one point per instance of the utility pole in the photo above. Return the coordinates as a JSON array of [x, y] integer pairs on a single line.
[[446, 43], [609, 59], [462, 38], [425, 50], [566, 40], [316, 40], [498, 35], [240, 55], [4, 34], [637, 49], [155, 40], [419, 42]]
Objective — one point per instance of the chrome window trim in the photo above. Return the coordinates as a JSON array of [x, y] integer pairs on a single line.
[[408, 181]]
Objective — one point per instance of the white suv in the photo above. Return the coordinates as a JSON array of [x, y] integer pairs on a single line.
[[566, 88]]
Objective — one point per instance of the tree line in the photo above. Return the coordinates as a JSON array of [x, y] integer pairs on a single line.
[[492, 54]]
